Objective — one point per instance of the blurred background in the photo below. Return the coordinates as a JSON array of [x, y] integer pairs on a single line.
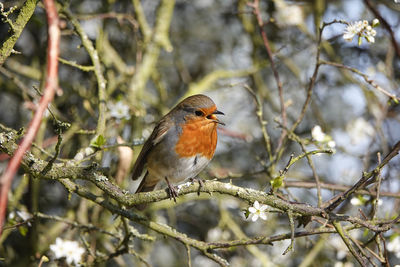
[[215, 48]]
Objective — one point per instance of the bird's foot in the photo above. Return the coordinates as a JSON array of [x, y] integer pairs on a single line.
[[172, 190], [200, 181]]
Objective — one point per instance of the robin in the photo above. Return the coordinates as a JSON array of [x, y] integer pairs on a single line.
[[180, 146]]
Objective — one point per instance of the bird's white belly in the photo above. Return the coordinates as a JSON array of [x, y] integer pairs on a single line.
[[183, 169]]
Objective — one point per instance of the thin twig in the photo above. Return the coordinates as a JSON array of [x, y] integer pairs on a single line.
[[290, 162], [311, 84], [291, 223], [377, 190], [113, 15], [361, 249], [364, 76], [346, 240], [188, 255], [256, 10], [101, 82], [301, 142], [88, 227], [53, 159], [315, 174], [369, 176], [141, 20], [76, 65], [338, 187], [261, 120]]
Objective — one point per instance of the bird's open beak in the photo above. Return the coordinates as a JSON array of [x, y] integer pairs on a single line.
[[218, 112], [215, 119]]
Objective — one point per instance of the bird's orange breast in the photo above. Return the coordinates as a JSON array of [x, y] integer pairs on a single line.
[[199, 136]]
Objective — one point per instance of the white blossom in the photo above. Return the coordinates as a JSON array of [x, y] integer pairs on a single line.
[[355, 201], [288, 15], [11, 215], [257, 211], [375, 22], [354, 28], [216, 234], [89, 151], [361, 200], [360, 130], [317, 133], [394, 246], [24, 215], [119, 110], [332, 144], [365, 23], [79, 156], [361, 29], [322, 138], [371, 36], [70, 250], [343, 264]]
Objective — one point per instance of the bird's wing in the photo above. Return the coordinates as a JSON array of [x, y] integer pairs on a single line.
[[156, 136]]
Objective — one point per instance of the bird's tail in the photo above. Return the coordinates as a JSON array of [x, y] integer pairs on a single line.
[[144, 186]]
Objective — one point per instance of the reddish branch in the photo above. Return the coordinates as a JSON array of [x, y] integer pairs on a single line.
[[51, 85], [257, 13]]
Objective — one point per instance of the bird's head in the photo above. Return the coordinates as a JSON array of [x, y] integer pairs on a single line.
[[199, 109]]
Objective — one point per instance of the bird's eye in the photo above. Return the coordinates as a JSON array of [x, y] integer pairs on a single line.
[[199, 113]]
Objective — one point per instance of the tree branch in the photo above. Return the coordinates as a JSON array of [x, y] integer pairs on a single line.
[[25, 14], [101, 82]]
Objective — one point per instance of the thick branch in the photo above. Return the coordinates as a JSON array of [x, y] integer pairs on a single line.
[[160, 228], [24, 15], [59, 171]]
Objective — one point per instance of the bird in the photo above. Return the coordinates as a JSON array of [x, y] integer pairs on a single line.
[[181, 145]]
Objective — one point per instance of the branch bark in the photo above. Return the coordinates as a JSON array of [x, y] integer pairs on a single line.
[[25, 14]]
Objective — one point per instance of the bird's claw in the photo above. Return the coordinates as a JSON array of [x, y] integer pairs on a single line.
[[200, 181], [173, 193]]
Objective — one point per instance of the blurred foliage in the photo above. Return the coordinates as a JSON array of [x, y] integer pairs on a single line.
[[140, 58]]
